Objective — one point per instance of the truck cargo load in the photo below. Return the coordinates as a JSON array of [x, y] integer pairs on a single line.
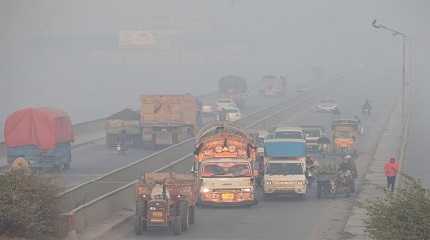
[[41, 135], [124, 128], [165, 200], [288, 148], [225, 159], [169, 119]]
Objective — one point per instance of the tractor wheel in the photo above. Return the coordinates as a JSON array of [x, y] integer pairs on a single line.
[[192, 215], [185, 216], [177, 225]]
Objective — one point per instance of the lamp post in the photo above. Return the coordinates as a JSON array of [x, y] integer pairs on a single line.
[[404, 38]]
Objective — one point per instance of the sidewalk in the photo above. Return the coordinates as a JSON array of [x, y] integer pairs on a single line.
[[375, 181]]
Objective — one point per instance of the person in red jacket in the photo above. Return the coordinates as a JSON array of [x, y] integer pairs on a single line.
[[391, 168]]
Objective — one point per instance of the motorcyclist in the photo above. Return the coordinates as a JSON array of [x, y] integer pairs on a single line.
[[348, 164], [367, 106]]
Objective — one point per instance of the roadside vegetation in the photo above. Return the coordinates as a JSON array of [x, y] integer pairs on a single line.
[[402, 215], [28, 207]]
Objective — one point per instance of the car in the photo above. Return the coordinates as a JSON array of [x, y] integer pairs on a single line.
[[224, 103], [296, 133], [327, 106], [232, 114]]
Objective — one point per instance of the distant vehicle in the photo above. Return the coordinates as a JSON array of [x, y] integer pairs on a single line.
[[345, 133], [169, 119], [327, 106], [232, 114], [313, 135], [224, 103], [209, 114], [41, 136], [233, 87], [272, 86], [123, 129], [288, 133]]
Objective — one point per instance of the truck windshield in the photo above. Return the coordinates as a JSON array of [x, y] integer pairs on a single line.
[[284, 169], [289, 135], [226, 170]]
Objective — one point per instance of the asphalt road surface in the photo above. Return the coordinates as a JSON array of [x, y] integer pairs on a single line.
[[288, 218]]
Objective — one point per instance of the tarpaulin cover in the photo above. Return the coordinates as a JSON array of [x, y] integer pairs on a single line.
[[42, 127], [284, 148]]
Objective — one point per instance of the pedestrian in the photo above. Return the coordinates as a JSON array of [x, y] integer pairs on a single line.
[[391, 169]]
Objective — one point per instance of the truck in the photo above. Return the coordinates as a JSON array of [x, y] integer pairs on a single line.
[[165, 200], [42, 136], [285, 166], [313, 135], [169, 119], [345, 133], [233, 87], [225, 158], [124, 128], [272, 86]]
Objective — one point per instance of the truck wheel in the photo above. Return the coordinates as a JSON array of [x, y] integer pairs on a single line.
[[68, 163], [177, 225], [319, 191], [192, 215], [140, 224]]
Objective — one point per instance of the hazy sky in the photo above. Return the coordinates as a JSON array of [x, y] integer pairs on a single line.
[[66, 53]]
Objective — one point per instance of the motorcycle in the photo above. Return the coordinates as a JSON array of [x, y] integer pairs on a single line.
[[120, 149]]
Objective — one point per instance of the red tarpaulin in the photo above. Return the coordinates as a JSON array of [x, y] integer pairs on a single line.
[[43, 127]]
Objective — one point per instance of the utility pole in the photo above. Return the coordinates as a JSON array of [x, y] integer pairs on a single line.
[[404, 39]]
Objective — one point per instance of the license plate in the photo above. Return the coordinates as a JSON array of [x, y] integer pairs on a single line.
[[227, 196], [157, 214]]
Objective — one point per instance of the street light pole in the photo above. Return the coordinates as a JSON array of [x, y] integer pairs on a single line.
[[404, 38]]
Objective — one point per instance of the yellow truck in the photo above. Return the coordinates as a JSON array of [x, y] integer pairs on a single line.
[[225, 164], [345, 133], [169, 119]]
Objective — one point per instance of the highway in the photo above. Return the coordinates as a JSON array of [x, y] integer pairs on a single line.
[[94, 159], [288, 218]]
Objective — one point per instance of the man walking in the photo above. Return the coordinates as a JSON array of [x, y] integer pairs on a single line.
[[391, 169]]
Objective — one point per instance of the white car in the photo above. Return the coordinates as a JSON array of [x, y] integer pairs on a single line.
[[327, 106], [224, 103], [232, 114]]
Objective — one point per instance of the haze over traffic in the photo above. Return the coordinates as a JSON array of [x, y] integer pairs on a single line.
[[66, 54]]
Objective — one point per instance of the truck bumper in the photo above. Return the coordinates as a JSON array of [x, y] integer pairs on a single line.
[[227, 199], [285, 190]]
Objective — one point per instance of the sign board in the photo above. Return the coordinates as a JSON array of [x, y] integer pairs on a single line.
[[136, 39]]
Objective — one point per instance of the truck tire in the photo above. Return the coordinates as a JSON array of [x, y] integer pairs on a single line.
[[177, 226], [319, 190], [138, 225], [68, 162], [192, 215]]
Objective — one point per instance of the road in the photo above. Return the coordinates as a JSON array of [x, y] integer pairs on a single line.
[[417, 163], [288, 218], [94, 159]]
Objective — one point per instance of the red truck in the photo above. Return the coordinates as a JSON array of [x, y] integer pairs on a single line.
[[42, 136]]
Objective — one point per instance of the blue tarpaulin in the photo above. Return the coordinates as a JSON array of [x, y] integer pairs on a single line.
[[284, 148]]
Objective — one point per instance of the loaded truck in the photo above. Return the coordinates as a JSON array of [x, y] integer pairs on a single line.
[[233, 87], [313, 135], [225, 158], [272, 86], [345, 133], [285, 164], [41, 136], [169, 119], [165, 200], [123, 128]]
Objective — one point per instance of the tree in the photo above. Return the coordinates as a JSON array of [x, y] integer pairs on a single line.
[[402, 215], [28, 206]]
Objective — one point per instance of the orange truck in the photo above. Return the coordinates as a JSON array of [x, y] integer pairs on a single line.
[[169, 119], [345, 133], [225, 157], [165, 200]]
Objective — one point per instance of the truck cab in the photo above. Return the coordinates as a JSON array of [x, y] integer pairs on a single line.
[[285, 167], [312, 137]]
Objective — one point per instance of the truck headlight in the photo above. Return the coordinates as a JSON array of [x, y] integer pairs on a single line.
[[268, 182], [205, 190], [246, 190], [300, 183]]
